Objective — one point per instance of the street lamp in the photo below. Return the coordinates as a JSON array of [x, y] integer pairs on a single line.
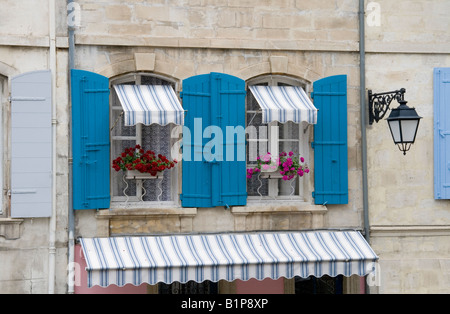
[[403, 121]]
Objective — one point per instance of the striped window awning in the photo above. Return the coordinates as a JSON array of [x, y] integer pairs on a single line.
[[182, 258], [285, 103], [150, 104]]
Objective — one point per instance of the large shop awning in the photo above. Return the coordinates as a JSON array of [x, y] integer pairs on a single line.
[[150, 104], [284, 103], [182, 258]]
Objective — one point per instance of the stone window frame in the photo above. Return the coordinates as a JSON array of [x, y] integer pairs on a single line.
[[303, 187], [118, 202]]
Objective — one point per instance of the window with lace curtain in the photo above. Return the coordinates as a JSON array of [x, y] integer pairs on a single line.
[[156, 138], [284, 137]]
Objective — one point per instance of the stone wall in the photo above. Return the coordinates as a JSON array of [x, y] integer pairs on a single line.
[[409, 229]]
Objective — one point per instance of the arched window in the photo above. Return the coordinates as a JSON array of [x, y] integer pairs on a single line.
[[275, 137], [153, 137]]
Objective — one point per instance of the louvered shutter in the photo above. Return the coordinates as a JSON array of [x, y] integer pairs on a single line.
[[215, 105], [91, 142], [330, 141], [442, 133], [229, 114], [197, 173], [31, 145]]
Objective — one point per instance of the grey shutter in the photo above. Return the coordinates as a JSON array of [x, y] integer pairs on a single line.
[[31, 145]]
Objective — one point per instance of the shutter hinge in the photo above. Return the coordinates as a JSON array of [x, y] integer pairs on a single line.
[[313, 145], [313, 194], [312, 95]]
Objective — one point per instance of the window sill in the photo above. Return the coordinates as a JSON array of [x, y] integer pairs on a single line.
[[10, 228], [138, 210], [280, 207], [171, 209]]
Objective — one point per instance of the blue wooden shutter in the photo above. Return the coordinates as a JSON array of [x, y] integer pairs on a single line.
[[31, 145], [442, 133], [216, 103], [228, 113], [197, 173], [91, 142], [330, 141]]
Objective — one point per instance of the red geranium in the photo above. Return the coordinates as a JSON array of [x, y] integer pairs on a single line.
[[143, 161]]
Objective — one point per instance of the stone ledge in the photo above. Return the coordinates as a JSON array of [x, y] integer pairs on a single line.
[[10, 228], [146, 212], [291, 207], [218, 43], [410, 231]]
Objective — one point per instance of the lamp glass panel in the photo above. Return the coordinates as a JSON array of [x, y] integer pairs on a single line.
[[394, 125], [409, 128]]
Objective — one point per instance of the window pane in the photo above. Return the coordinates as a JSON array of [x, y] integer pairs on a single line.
[[119, 185], [289, 147], [289, 130], [253, 184], [157, 138]]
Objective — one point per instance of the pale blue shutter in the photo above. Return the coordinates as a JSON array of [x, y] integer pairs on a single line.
[[31, 145], [91, 140], [442, 133], [330, 141]]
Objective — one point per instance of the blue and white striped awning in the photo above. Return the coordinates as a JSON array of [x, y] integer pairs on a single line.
[[150, 104], [182, 258], [284, 103]]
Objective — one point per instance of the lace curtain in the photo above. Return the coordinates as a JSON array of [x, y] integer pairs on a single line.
[[288, 135], [154, 137]]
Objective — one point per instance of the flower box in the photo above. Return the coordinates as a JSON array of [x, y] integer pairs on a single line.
[[136, 175]]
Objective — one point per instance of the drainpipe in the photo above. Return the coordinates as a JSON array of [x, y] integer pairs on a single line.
[[362, 52], [71, 244], [52, 223]]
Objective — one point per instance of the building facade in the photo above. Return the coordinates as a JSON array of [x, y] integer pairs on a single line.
[[387, 197]]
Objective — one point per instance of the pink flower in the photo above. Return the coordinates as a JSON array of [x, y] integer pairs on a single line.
[[266, 157], [291, 153], [302, 159]]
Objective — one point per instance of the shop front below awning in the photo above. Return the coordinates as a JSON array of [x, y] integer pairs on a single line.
[[182, 258]]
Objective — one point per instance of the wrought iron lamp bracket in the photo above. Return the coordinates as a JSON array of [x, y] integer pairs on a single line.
[[379, 103]]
